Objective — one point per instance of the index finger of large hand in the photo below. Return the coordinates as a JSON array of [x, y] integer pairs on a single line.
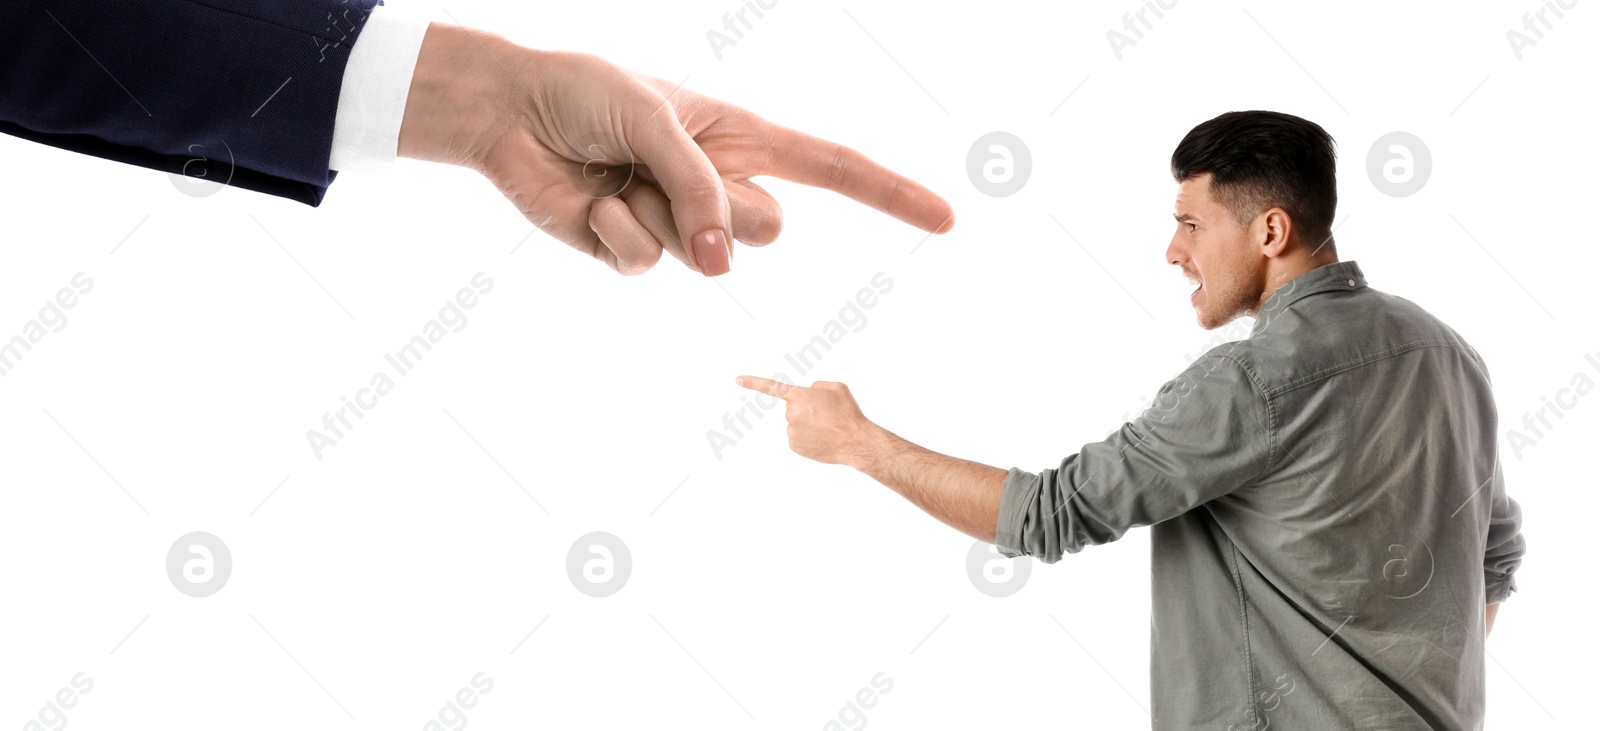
[[814, 161], [766, 386]]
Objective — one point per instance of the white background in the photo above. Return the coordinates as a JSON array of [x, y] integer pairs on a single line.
[[373, 584]]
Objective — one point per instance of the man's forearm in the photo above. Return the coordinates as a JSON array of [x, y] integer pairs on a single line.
[[964, 495], [1489, 611]]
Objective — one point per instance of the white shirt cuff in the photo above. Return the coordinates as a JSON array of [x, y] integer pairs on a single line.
[[372, 94]]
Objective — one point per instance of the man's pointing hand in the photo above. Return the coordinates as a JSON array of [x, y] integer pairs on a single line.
[[825, 424]]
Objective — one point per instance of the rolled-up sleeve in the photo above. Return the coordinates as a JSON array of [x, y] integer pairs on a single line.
[[1505, 545], [1206, 434]]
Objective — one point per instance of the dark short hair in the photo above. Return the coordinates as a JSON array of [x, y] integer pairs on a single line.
[[1260, 160]]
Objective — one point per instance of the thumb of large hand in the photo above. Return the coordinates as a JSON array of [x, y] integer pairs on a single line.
[[690, 181]]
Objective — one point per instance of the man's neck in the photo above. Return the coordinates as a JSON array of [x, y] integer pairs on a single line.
[[1281, 270]]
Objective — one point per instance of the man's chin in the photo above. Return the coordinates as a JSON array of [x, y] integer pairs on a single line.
[[1210, 320]]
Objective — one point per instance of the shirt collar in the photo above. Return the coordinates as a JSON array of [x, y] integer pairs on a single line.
[[1338, 276]]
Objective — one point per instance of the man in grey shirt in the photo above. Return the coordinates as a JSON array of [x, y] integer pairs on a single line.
[[1330, 530]]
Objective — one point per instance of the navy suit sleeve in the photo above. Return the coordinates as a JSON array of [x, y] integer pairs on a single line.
[[241, 92]]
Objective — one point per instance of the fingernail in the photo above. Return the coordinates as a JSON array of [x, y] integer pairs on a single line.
[[711, 250]]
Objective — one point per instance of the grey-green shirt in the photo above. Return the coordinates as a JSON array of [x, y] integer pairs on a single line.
[[1328, 518]]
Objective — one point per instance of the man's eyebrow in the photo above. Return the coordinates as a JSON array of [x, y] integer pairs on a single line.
[[1184, 217]]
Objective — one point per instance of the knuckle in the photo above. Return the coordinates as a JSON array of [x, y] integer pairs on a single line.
[[839, 165], [628, 269]]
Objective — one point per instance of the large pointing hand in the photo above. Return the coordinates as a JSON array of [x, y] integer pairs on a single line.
[[623, 166]]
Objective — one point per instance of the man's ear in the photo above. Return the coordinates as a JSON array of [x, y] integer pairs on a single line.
[[1274, 230]]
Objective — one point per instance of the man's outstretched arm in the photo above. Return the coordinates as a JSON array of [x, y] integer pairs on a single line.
[[1202, 438], [962, 494]]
